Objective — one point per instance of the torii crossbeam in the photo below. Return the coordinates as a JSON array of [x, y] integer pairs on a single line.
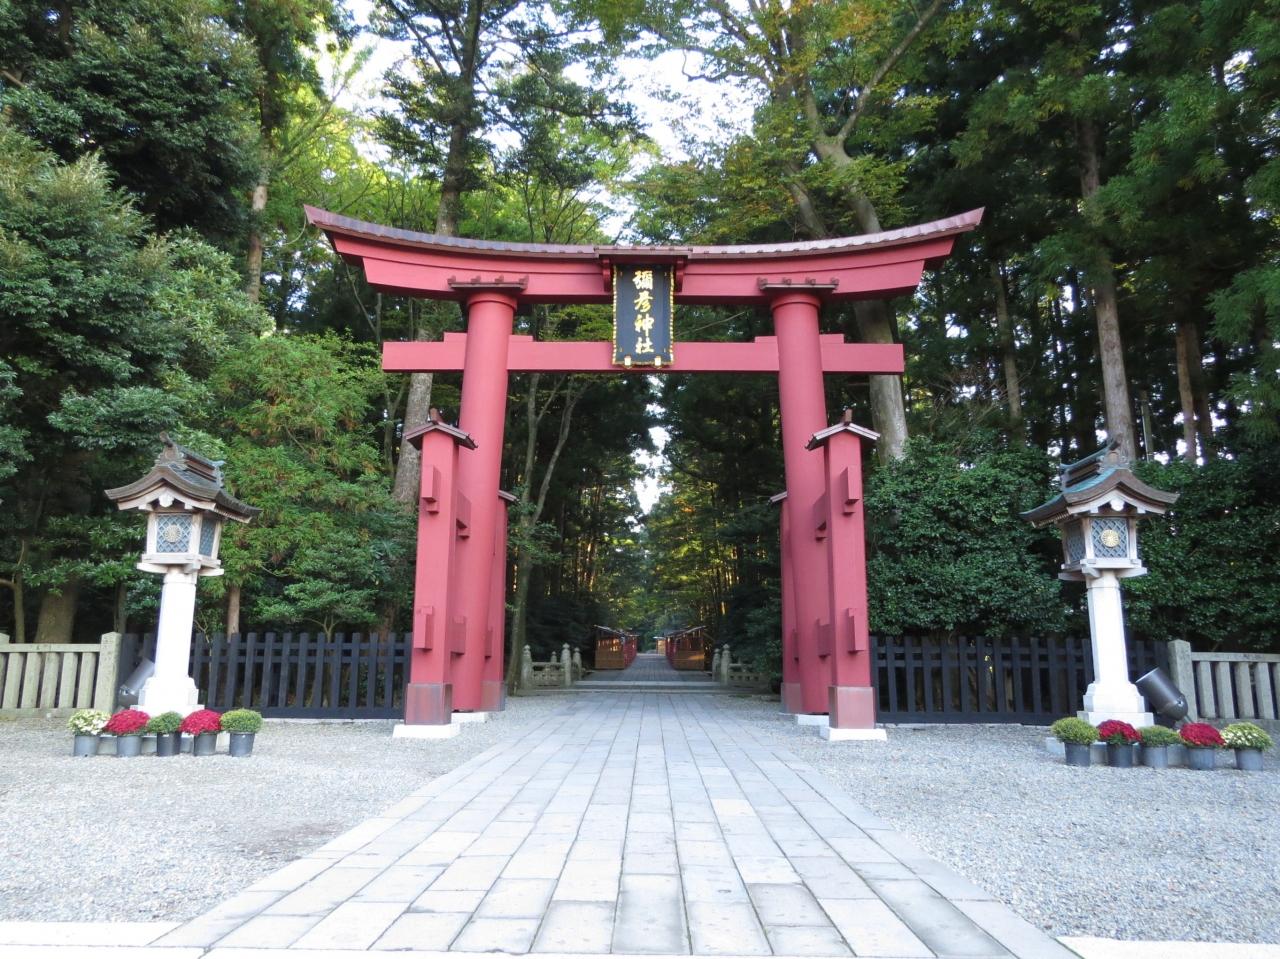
[[458, 648]]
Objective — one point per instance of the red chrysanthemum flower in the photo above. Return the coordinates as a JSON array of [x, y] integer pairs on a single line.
[[1118, 733], [202, 721], [127, 722], [1202, 735]]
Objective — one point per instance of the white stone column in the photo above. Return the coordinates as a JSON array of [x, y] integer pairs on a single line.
[[566, 665], [1111, 695], [170, 688], [715, 666], [726, 660]]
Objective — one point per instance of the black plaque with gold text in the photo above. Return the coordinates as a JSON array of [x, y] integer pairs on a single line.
[[642, 311]]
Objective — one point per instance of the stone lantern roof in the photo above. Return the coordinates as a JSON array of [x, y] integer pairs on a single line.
[[182, 474], [1100, 478]]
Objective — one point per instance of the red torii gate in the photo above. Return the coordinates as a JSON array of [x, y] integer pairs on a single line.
[[457, 661]]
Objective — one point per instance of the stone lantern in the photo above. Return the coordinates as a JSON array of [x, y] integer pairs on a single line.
[[1097, 514], [186, 506]]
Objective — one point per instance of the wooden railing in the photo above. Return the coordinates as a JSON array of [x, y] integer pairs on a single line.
[[1226, 686], [54, 679]]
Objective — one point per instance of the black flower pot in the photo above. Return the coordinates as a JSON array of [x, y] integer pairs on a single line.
[[1120, 755], [1156, 757], [85, 746], [1249, 760], [1201, 757], [128, 745], [167, 744], [241, 744], [1077, 753], [206, 744]]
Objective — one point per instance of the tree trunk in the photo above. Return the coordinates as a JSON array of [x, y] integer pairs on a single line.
[[1188, 337], [120, 621], [1115, 384], [15, 585], [58, 613], [409, 466], [418, 404], [233, 609], [1012, 385], [1186, 399], [253, 266], [519, 617], [888, 411], [874, 319]]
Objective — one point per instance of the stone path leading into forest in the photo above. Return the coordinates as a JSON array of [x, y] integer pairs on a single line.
[[628, 823], [649, 669]]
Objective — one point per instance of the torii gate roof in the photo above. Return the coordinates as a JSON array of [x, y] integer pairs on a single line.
[[870, 266]]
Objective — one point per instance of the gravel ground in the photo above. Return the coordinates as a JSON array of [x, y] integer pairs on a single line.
[[142, 839], [1117, 853]]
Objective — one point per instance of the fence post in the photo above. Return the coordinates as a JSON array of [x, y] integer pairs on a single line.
[[104, 690], [566, 665], [1183, 674], [715, 666], [726, 660], [526, 668], [577, 663]]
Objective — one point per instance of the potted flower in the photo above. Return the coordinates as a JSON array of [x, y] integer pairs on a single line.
[[203, 725], [165, 728], [1076, 737], [242, 724], [1120, 738], [1249, 741], [127, 726], [86, 725], [1202, 741], [1156, 741]]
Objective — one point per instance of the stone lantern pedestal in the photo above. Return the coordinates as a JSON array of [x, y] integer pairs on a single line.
[[186, 505], [1097, 514]]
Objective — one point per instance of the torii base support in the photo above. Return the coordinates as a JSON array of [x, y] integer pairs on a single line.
[[446, 731], [852, 717], [428, 704]]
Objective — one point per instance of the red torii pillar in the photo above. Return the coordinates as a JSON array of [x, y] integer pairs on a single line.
[[851, 698]]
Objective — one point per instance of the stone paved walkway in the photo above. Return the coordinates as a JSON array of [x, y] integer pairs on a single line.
[[629, 823], [648, 668]]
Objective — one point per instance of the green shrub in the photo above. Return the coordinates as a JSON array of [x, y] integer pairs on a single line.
[[1072, 729], [1159, 736], [164, 724], [1246, 736], [241, 721]]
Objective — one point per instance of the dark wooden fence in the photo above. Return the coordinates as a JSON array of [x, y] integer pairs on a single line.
[[972, 679], [918, 679], [300, 675]]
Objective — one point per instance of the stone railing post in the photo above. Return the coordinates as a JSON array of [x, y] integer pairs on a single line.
[[104, 688], [566, 665], [726, 660], [577, 663], [526, 668], [1183, 674], [715, 666]]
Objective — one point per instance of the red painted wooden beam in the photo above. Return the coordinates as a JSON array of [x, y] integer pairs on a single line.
[[524, 355], [846, 268]]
